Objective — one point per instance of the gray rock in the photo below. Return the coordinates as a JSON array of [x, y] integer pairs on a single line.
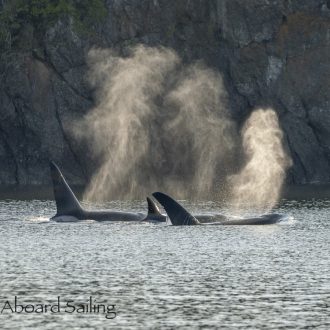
[[270, 53], [311, 163]]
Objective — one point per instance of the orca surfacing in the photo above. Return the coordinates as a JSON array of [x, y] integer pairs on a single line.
[[179, 216], [70, 210]]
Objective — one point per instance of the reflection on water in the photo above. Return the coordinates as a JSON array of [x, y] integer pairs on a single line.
[[160, 276]]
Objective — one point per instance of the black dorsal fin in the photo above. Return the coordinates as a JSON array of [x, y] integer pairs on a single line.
[[153, 209], [178, 215], [66, 201]]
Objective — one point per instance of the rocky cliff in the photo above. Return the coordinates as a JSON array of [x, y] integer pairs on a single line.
[[270, 53]]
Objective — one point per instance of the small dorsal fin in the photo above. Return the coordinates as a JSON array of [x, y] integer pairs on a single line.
[[178, 215], [66, 201], [153, 209]]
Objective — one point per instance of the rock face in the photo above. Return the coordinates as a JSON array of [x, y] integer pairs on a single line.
[[270, 53]]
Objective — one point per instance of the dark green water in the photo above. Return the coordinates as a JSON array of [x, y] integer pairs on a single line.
[[164, 277]]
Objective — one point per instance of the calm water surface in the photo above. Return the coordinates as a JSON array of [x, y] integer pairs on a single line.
[[164, 277]]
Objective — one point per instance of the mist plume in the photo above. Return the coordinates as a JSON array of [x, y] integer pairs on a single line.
[[202, 135], [258, 185], [157, 125], [119, 125], [161, 125]]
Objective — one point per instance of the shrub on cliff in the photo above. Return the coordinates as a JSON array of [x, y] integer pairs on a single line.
[[15, 14]]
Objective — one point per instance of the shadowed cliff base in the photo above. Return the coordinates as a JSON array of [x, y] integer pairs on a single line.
[[296, 192]]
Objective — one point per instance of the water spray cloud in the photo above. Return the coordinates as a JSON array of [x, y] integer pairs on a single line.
[[259, 183], [156, 125], [161, 125], [119, 125], [202, 128]]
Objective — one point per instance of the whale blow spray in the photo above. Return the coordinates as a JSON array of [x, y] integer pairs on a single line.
[[157, 125], [258, 184], [118, 127]]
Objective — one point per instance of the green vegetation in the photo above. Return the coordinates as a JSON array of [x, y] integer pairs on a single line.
[[40, 14], [170, 31]]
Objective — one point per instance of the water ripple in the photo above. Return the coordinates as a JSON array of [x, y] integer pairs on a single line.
[[164, 277]]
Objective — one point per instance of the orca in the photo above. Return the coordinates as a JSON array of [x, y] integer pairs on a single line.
[[179, 216], [70, 210]]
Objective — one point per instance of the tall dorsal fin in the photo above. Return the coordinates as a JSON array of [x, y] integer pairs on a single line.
[[178, 215], [66, 201], [153, 209]]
